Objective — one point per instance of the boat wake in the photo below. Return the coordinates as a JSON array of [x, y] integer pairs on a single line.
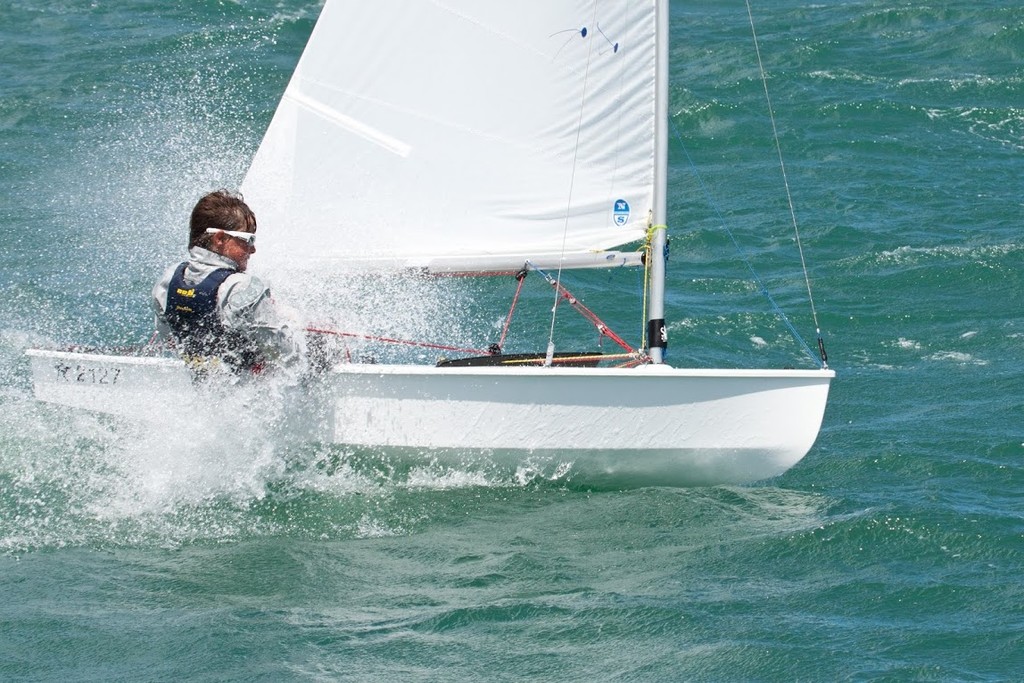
[[216, 472]]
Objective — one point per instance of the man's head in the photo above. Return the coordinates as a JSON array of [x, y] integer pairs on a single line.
[[213, 217]]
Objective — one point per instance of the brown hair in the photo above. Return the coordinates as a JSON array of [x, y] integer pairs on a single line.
[[223, 210]]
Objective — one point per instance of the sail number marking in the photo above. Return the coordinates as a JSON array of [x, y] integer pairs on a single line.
[[87, 374]]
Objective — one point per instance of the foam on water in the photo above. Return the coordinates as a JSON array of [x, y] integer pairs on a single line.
[[232, 463], [82, 479]]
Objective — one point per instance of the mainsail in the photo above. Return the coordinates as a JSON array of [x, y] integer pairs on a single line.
[[462, 135]]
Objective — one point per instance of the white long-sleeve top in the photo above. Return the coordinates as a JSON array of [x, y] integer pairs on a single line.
[[243, 305]]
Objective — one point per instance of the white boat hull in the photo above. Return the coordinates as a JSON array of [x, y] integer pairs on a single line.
[[131, 386], [653, 424]]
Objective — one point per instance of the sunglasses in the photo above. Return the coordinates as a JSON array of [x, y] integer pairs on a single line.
[[248, 237]]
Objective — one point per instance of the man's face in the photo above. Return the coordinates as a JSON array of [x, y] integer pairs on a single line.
[[234, 248]]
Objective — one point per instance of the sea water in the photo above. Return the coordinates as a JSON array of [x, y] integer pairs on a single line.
[[893, 551]]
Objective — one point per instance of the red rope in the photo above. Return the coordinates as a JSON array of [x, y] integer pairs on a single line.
[[602, 329], [521, 277], [391, 340]]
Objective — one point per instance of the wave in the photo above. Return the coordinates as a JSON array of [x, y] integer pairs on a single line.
[[912, 256]]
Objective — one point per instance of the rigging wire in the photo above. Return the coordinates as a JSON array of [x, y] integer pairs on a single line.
[[785, 182], [743, 256], [568, 207]]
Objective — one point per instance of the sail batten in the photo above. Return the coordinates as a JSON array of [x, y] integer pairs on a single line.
[[348, 123], [441, 130]]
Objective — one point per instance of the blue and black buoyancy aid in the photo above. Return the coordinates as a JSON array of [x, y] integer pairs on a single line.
[[191, 313]]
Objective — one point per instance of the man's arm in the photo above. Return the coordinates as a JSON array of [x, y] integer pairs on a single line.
[[246, 306]]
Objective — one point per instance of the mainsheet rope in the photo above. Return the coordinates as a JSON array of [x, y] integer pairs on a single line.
[[520, 279], [392, 340], [580, 308]]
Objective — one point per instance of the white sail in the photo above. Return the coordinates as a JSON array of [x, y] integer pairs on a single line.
[[464, 133]]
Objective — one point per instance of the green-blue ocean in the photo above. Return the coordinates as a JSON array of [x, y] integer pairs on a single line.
[[894, 551]]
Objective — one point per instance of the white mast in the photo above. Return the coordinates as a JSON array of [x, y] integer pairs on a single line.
[[657, 334]]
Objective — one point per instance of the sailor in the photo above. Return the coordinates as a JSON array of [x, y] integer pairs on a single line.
[[211, 308]]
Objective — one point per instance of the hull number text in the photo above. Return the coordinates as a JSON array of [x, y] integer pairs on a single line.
[[87, 374]]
